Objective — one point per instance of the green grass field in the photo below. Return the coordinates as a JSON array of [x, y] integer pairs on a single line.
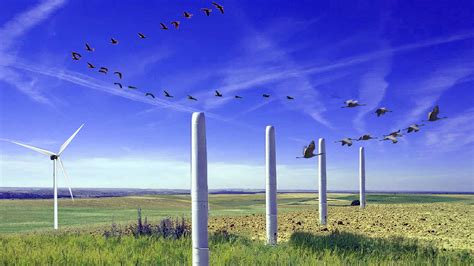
[[410, 229]]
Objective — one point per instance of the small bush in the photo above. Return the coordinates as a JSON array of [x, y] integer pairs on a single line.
[[166, 228]]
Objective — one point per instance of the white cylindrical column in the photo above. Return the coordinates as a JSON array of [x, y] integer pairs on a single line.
[[362, 177], [199, 193], [55, 188], [322, 183], [271, 185]]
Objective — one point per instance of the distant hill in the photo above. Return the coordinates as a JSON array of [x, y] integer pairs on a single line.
[[47, 193]]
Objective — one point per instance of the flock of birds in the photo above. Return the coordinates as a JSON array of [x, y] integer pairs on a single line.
[[308, 151], [105, 70]]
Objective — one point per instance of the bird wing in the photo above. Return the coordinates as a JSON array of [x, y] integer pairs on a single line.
[[310, 149]]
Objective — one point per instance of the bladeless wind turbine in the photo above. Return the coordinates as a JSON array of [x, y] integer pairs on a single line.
[[55, 157]]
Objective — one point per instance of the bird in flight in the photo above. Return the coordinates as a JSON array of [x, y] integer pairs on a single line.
[[89, 48], [308, 151], [119, 74], [150, 94], [218, 94], [381, 111], [167, 94], [113, 41], [221, 8], [207, 11], [175, 24], [89, 65], [187, 14], [394, 134], [118, 84], [163, 26], [390, 137], [413, 128], [191, 98], [352, 103], [237, 97], [290, 98], [266, 95], [132, 87], [366, 137], [433, 115], [103, 70], [76, 56], [345, 141], [141, 35]]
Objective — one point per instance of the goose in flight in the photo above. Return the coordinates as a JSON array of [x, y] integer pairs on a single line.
[[221, 8], [141, 35], [345, 141], [187, 14], [76, 56], [390, 137], [414, 128], [366, 137], [132, 87], [394, 134], [150, 94], [89, 48], [163, 26], [266, 95], [351, 104], [308, 151], [89, 65], [119, 74], [207, 11], [167, 94], [381, 111], [237, 97], [433, 115], [113, 41], [191, 98], [290, 98], [218, 94], [175, 24], [103, 70], [118, 84]]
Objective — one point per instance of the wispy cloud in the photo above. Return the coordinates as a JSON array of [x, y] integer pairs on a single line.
[[373, 87], [429, 90], [454, 133], [12, 32]]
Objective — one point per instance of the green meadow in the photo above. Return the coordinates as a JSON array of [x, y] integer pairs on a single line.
[[394, 228]]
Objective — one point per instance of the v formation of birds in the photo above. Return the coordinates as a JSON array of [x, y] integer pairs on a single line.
[[308, 151]]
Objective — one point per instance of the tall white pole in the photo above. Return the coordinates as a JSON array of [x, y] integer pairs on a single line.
[[271, 185], [322, 183], [55, 187], [362, 177], [199, 193]]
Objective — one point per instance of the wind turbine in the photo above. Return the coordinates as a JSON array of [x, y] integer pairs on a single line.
[[55, 157]]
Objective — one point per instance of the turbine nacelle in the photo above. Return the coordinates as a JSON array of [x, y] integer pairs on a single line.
[[54, 157]]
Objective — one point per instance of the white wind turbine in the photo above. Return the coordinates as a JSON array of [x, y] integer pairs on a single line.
[[55, 157]]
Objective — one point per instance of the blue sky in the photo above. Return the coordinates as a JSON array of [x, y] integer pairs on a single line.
[[405, 56]]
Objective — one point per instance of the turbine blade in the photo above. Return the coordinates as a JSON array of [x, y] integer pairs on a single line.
[[68, 141], [66, 177], [42, 151]]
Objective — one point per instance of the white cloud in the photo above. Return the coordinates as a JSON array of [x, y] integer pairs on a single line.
[[453, 133], [14, 30]]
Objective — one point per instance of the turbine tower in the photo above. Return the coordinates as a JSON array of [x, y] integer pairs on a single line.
[[362, 177], [322, 183], [55, 157], [271, 185], [199, 191]]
